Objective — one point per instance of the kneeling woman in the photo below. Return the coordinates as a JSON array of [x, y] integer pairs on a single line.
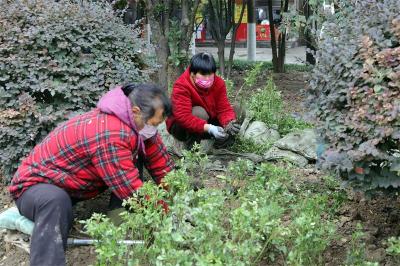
[[201, 108]]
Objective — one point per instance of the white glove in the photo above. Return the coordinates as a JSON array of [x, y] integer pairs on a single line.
[[217, 132]]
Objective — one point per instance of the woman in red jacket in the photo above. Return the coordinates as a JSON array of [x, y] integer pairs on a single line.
[[201, 108]]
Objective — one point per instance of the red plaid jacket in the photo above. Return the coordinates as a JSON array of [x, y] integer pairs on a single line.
[[88, 154]]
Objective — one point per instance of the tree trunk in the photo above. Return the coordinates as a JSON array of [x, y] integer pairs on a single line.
[[187, 28], [233, 39], [160, 31], [162, 56], [273, 37], [282, 43], [131, 14], [310, 51], [221, 56]]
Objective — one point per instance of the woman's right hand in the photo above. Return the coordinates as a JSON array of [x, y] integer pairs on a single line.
[[217, 132]]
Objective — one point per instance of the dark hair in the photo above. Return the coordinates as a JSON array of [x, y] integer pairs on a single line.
[[148, 97], [203, 63]]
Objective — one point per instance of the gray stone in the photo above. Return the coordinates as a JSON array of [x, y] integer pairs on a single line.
[[244, 126], [377, 255], [173, 146], [303, 142], [260, 133], [228, 155], [207, 145], [176, 147], [275, 154]]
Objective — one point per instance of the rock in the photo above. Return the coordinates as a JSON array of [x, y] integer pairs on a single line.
[[377, 255], [207, 145], [227, 155], [260, 133], [176, 147], [274, 154], [167, 138], [303, 142], [244, 126]]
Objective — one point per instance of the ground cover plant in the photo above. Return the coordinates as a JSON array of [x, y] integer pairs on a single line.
[[255, 214], [56, 59]]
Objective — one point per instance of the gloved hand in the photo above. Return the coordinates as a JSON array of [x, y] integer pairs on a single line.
[[217, 132], [232, 128]]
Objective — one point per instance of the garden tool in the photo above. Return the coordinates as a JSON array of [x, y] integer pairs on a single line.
[[11, 219]]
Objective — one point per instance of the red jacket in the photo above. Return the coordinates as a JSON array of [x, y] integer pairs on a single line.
[[88, 154], [185, 96]]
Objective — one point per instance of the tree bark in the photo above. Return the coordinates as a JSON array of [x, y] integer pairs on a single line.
[[308, 38], [233, 39], [160, 21], [273, 37], [221, 56], [282, 42], [187, 28], [221, 13]]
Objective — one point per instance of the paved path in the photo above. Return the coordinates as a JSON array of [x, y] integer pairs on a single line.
[[295, 55]]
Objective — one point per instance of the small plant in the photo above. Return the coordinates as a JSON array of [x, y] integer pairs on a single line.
[[230, 88], [311, 235], [394, 248], [357, 253], [249, 146], [267, 106], [108, 247], [207, 226]]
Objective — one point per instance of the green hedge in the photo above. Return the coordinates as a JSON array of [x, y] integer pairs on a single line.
[[56, 59]]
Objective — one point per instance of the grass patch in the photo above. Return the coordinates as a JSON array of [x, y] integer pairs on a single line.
[[267, 65]]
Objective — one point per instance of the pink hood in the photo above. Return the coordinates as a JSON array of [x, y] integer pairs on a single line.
[[116, 103]]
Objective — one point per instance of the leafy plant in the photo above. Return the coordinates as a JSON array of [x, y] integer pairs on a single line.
[[311, 235], [240, 224], [394, 248], [354, 94], [56, 59], [248, 145], [356, 255], [267, 106]]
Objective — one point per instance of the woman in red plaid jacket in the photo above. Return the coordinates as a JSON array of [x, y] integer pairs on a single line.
[[86, 155]]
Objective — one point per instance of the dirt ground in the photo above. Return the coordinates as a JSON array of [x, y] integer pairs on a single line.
[[379, 216]]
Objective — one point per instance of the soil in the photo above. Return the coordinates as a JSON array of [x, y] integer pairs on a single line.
[[379, 216]]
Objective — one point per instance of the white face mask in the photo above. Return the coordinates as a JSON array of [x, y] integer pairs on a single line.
[[148, 131]]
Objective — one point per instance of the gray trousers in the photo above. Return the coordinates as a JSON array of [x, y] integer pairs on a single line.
[[50, 207]]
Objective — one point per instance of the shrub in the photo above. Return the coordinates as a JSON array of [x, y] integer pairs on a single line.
[[56, 59], [354, 93], [267, 106], [241, 220]]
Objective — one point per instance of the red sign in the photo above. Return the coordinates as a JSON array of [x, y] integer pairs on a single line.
[[262, 33]]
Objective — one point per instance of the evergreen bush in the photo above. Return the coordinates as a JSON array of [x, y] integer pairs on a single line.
[[355, 93], [56, 59]]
